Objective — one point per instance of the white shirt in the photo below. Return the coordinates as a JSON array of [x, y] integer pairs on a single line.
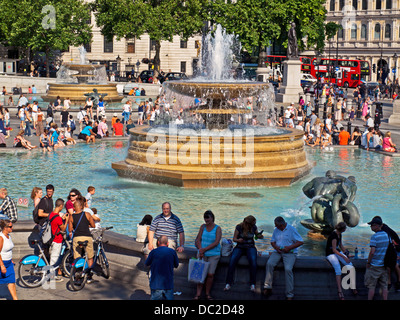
[[287, 237], [8, 245]]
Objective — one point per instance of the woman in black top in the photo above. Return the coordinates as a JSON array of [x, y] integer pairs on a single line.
[[244, 237], [337, 254], [79, 223]]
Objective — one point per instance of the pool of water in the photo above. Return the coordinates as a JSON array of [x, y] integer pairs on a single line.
[[122, 203]]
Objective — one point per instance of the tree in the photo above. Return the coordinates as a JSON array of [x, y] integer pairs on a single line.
[[45, 25], [161, 20], [259, 22]]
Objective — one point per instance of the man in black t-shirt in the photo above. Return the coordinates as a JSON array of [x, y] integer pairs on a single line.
[[45, 206], [64, 118]]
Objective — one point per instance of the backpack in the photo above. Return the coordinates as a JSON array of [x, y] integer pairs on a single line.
[[35, 214], [72, 125], [46, 234], [390, 259]]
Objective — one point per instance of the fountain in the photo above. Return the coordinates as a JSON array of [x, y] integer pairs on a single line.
[[74, 80], [224, 141]]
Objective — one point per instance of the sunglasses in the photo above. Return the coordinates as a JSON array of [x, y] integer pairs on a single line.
[[72, 195], [9, 227]]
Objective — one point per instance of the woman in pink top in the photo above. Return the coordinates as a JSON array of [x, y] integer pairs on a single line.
[[387, 144], [103, 128]]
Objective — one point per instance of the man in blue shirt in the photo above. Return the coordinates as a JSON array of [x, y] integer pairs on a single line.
[[376, 272], [162, 262], [87, 133]]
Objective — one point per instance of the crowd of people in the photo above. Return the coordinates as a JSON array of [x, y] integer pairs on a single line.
[[164, 236], [166, 228], [328, 130]]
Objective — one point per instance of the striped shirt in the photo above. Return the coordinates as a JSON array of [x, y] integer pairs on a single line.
[[9, 208], [380, 241], [170, 226]]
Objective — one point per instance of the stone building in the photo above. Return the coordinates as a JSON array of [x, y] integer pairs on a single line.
[[371, 31], [128, 55]]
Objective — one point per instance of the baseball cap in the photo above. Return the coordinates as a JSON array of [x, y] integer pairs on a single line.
[[376, 220]]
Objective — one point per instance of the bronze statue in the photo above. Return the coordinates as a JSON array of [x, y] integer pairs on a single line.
[[292, 50], [333, 197]]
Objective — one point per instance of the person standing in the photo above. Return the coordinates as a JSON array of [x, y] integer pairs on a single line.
[[162, 262], [8, 208], [7, 274], [57, 226], [45, 206], [285, 240], [376, 273], [167, 224], [208, 242]]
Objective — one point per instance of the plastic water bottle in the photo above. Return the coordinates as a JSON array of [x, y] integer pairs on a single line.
[[362, 253], [356, 253]]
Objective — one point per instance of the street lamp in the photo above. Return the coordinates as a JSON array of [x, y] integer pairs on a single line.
[[394, 73], [118, 59]]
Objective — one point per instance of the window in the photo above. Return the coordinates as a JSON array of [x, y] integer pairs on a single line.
[[388, 31], [153, 44], [353, 31], [108, 46], [378, 4], [183, 66], [364, 34], [364, 4], [355, 4], [130, 45], [332, 5], [341, 33], [88, 47], [388, 4], [377, 33], [341, 5], [183, 44]]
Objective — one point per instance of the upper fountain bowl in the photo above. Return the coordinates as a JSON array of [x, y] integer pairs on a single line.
[[220, 90]]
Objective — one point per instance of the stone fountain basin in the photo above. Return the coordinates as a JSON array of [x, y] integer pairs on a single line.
[[216, 90]]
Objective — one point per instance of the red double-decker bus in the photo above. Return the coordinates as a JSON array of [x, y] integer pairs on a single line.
[[343, 72], [274, 61]]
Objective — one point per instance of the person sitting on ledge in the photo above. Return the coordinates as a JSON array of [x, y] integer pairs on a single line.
[[87, 133], [387, 144]]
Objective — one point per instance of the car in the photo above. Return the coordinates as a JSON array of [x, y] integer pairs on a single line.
[[146, 76], [173, 76], [307, 79]]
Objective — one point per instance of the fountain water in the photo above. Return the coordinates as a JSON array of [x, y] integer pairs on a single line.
[[220, 146], [74, 80]]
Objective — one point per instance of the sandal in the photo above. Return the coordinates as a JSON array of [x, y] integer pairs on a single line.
[[196, 298], [208, 297], [227, 287], [341, 295]]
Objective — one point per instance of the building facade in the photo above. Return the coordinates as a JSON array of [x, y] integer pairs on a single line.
[[371, 31], [127, 55]]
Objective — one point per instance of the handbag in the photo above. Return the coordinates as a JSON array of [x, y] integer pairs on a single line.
[[198, 269], [390, 259]]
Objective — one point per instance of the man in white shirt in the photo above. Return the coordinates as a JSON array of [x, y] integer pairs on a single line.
[[285, 240]]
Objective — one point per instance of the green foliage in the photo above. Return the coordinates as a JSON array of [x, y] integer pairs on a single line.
[[259, 22]]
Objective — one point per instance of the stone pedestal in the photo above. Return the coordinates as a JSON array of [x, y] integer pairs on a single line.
[[291, 87], [395, 117]]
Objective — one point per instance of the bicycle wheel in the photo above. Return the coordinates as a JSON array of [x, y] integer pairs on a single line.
[[66, 263], [78, 276], [31, 275], [105, 267]]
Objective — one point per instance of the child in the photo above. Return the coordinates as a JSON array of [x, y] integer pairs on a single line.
[[352, 114], [44, 141], [57, 226], [91, 191]]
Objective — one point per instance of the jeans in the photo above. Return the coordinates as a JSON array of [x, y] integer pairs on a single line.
[[162, 294], [237, 253], [27, 128]]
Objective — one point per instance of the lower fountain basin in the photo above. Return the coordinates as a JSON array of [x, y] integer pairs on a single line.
[[213, 160]]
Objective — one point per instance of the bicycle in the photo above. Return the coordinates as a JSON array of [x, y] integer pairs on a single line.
[[34, 270], [81, 271]]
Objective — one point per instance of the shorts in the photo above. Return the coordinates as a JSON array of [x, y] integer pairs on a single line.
[[77, 249], [376, 275], [213, 260]]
